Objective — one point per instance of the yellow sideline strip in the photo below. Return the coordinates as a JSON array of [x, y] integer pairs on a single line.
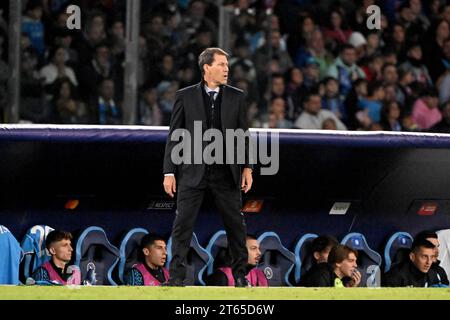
[[218, 293]]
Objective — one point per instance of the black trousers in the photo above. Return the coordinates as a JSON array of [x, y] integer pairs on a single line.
[[227, 197]]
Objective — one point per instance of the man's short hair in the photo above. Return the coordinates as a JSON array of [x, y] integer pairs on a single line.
[[339, 253], [421, 243], [250, 237], [425, 234], [310, 94], [149, 239], [207, 56], [55, 236], [320, 243], [346, 46]]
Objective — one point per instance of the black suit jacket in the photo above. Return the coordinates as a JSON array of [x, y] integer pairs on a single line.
[[189, 107]]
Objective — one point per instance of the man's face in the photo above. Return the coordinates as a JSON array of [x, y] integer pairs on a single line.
[[278, 106], [349, 56], [218, 70], [254, 254], [436, 249], [156, 254], [423, 259], [332, 88], [390, 75], [275, 39], [348, 265], [313, 105], [62, 250], [278, 86]]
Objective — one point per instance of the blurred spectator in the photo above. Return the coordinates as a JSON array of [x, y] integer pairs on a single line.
[[149, 112], [372, 104], [345, 69], [373, 69], [33, 26], [104, 109], [311, 73], [315, 48], [116, 40], [195, 19], [435, 57], [313, 116], [359, 42], [390, 117], [444, 125], [57, 67], [352, 101], [278, 111], [99, 68], [295, 92], [166, 92], [332, 100], [414, 27], [337, 32], [397, 40], [64, 38], [414, 63], [94, 33], [33, 104], [165, 70], [425, 112], [297, 39], [66, 108], [156, 36], [242, 58], [405, 96], [262, 54], [374, 45], [329, 124]]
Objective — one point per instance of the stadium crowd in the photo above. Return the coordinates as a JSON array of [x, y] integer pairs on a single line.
[[305, 64]]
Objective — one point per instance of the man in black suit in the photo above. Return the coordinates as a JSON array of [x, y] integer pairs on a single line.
[[210, 104]]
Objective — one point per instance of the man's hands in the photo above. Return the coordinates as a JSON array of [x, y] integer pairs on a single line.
[[247, 180], [356, 279], [170, 185]]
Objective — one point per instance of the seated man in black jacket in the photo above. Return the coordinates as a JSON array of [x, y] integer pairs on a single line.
[[417, 271], [433, 238], [340, 271], [320, 248]]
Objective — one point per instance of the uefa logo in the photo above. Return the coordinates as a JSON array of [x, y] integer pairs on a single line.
[[268, 273]]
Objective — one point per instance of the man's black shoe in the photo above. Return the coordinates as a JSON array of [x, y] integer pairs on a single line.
[[241, 283], [174, 283]]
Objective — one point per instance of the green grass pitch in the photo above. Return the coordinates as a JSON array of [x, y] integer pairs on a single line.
[[217, 293]]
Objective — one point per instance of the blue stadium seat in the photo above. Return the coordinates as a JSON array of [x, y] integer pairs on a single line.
[[34, 248], [303, 255], [129, 249], [11, 254], [276, 262], [197, 261], [95, 254], [369, 261], [217, 249], [397, 249]]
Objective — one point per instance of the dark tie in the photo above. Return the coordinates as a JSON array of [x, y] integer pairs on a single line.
[[211, 97]]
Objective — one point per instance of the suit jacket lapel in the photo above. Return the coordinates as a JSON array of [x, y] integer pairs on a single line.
[[224, 108], [198, 103]]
